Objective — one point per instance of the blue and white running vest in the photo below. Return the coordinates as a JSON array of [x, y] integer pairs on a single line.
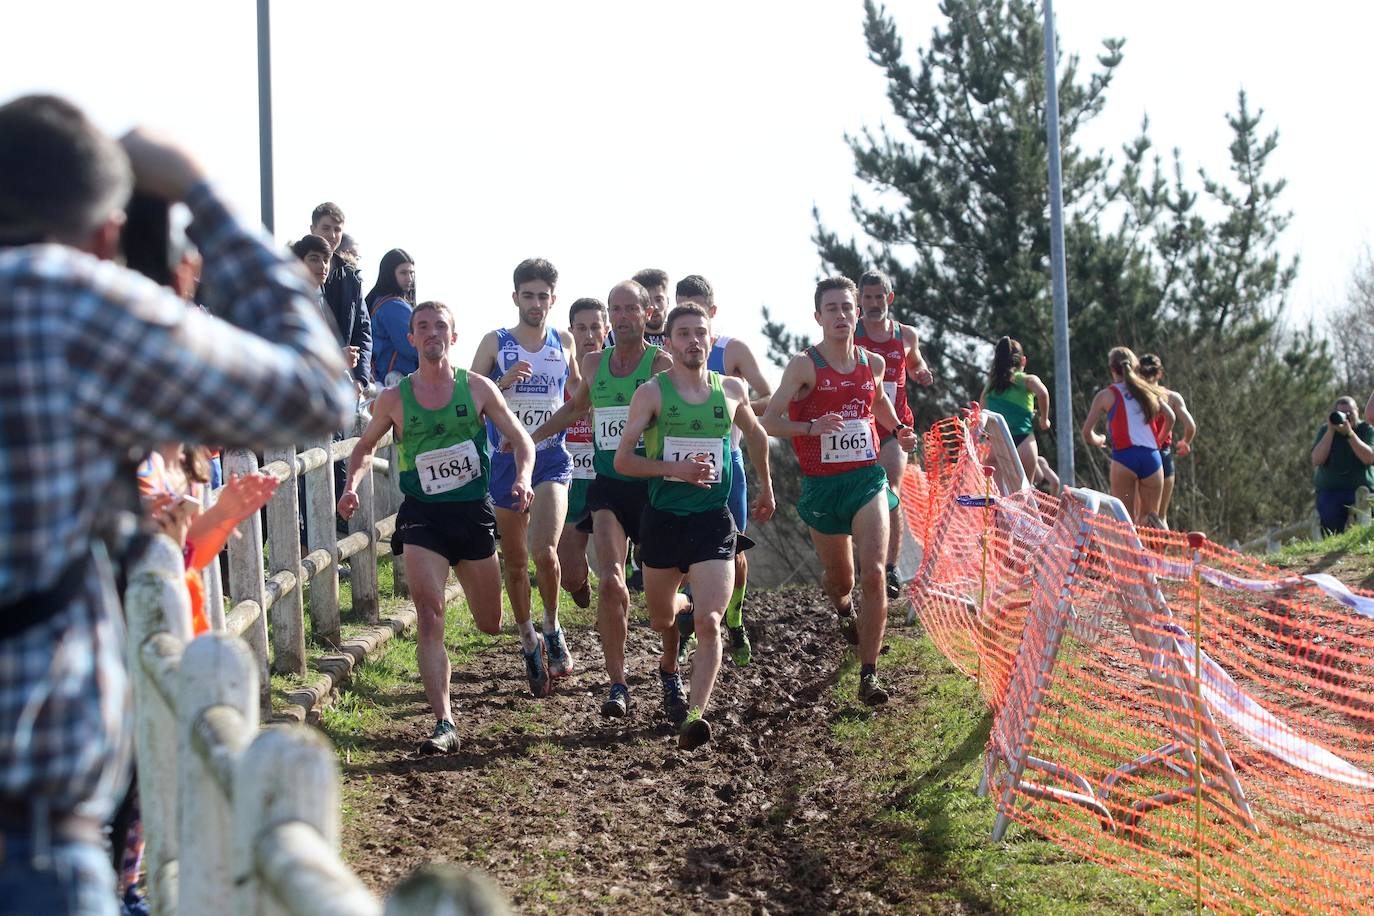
[[715, 362], [536, 398]]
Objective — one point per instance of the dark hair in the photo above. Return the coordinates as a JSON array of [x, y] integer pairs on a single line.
[[1151, 367], [432, 305], [386, 286], [686, 308], [873, 277], [311, 244], [651, 276], [1146, 393], [195, 461], [586, 304], [1006, 359], [535, 269], [695, 286], [60, 177], [836, 282], [328, 208]]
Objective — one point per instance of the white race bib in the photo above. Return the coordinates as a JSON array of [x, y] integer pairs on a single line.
[[891, 389], [685, 448], [532, 410], [445, 469], [610, 426], [852, 442], [582, 453]]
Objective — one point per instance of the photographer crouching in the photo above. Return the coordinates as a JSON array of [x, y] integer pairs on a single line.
[[1342, 456]]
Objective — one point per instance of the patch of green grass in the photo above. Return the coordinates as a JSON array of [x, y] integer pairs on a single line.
[[1358, 541], [926, 757]]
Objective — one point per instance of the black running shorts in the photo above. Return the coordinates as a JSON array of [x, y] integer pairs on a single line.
[[625, 498], [681, 540], [456, 531]]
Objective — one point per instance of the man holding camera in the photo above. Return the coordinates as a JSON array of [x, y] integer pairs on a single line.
[[1342, 455]]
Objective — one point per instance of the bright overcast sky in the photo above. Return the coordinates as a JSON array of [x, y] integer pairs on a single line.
[[611, 136]]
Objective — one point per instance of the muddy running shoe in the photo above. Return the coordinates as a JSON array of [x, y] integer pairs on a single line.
[[871, 692], [674, 701], [741, 652], [695, 731], [560, 659], [849, 627], [443, 741], [617, 705], [536, 669], [894, 585], [582, 596], [635, 581], [686, 635]]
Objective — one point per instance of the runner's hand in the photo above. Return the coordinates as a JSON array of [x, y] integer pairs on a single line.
[[1044, 422], [923, 377], [763, 507], [906, 439], [348, 504], [523, 495], [1098, 440], [829, 423], [694, 472], [517, 373], [1183, 449]]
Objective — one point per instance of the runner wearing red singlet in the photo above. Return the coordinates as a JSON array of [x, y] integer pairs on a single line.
[[1152, 369], [900, 349], [588, 325], [1130, 405], [833, 398]]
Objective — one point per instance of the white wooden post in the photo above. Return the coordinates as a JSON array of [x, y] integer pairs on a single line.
[[246, 566], [287, 774], [284, 555], [218, 685], [321, 535], [363, 565], [156, 605], [210, 575], [442, 888]]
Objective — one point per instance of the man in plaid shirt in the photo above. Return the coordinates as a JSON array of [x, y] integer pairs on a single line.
[[98, 361]]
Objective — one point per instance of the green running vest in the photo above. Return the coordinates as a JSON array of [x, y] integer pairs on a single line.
[[685, 431], [1016, 404], [611, 409], [443, 453]]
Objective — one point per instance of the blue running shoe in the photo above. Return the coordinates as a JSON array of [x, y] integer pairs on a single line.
[[443, 741], [617, 705], [560, 659], [536, 670], [674, 701]]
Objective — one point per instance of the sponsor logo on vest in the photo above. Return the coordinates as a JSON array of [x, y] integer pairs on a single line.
[[620, 397], [696, 425], [460, 410], [720, 412], [672, 410], [440, 429]]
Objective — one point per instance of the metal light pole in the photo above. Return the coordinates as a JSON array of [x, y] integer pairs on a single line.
[[1063, 399], [265, 110]]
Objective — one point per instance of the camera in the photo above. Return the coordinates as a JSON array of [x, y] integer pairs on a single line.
[[1338, 417]]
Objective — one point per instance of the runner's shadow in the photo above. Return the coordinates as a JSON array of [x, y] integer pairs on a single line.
[[482, 753]]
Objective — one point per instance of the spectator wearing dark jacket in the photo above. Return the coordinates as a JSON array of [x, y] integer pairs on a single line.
[[389, 304], [1343, 458], [343, 290]]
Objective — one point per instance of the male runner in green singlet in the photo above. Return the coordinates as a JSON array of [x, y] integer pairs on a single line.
[[686, 415], [446, 517]]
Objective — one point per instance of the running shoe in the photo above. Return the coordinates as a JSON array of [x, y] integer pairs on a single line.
[[536, 670], [674, 701], [582, 596], [871, 691], [695, 730], [560, 659], [617, 705], [635, 581], [741, 652], [443, 741], [849, 627], [686, 635], [894, 585]]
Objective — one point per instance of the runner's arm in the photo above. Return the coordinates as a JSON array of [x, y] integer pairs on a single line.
[[484, 360], [916, 368], [491, 405], [644, 407], [573, 408], [382, 423], [799, 375], [884, 410], [1100, 405], [1042, 399], [757, 441], [1185, 444], [740, 362], [574, 368]]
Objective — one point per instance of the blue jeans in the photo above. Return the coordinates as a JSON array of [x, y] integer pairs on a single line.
[[76, 878], [1333, 509]]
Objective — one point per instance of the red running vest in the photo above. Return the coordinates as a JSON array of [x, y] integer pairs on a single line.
[[893, 352], [849, 395]]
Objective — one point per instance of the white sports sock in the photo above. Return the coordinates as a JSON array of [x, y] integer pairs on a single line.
[[528, 639]]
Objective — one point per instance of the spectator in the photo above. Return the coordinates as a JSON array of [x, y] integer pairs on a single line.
[[343, 291], [348, 250], [1342, 454], [100, 362], [389, 303], [315, 254]]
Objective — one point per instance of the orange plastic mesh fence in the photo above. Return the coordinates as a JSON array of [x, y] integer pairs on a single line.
[[1087, 644]]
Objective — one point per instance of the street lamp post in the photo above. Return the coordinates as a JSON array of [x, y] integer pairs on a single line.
[[1063, 399]]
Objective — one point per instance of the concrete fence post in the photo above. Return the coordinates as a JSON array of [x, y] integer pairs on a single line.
[[320, 534], [246, 581], [363, 566], [284, 555]]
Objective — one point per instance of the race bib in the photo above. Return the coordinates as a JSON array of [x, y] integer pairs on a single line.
[[610, 426], [685, 448], [581, 453], [532, 411], [852, 442], [891, 389], [444, 469]]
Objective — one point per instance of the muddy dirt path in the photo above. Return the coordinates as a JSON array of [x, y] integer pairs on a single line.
[[570, 812]]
